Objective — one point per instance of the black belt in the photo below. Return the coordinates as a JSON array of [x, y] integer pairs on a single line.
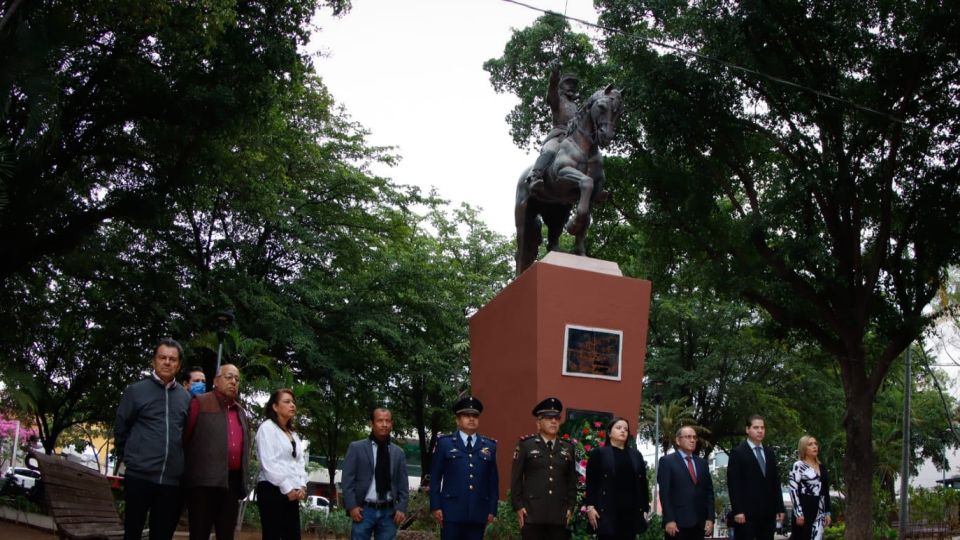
[[378, 505]]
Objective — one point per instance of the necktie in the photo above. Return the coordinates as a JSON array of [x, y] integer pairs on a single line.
[[550, 446], [469, 443], [761, 460], [693, 472]]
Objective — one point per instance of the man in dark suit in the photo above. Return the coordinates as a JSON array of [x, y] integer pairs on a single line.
[[754, 485], [463, 477], [686, 490], [374, 481]]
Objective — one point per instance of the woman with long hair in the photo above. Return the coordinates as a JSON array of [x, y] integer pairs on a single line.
[[809, 491], [282, 483], [617, 491]]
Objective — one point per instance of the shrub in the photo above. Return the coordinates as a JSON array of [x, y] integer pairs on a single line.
[[504, 526]]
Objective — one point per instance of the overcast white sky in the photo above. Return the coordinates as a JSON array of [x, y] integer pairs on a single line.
[[411, 71]]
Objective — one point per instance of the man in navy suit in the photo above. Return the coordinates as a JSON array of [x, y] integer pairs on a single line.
[[686, 490], [463, 477], [754, 485], [374, 484]]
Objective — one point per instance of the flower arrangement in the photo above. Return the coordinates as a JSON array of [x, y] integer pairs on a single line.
[[590, 435]]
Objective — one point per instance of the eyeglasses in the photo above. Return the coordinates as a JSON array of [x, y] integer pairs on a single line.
[[230, 377], [293, 443]]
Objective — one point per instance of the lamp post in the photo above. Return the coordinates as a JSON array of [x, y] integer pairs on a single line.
[[905, 463], [224, 320], [657, 398]]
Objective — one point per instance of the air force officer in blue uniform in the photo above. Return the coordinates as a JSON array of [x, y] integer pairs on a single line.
[[463, 477]]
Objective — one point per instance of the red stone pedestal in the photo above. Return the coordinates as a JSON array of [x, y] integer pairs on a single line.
[[517, 355]]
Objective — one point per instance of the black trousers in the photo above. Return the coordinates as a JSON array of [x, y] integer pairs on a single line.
[[755, 530], [162, 503], [624, 524], [462, 531], [214, 508], [279, 516], [539, 531], [688, 533]]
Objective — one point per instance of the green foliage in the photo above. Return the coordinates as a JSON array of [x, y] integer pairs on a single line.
[[835, 531], [190, 161], [251, 515], [654, 529], [939, 505], [22, 503], [322, 523], [505, 525], [418, 508]]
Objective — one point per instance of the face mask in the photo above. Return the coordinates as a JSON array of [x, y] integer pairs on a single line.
[[198, 388]]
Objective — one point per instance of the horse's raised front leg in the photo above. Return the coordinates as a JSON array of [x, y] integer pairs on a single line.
[[580, 219]]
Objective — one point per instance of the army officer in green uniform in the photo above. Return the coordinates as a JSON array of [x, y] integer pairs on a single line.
[[544, 478]]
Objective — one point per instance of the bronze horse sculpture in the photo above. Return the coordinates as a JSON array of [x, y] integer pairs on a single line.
[[574, 180]]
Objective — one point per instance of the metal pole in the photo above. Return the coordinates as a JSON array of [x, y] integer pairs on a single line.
[[16, 444], [219, 355], [905, 463], [656, 458]]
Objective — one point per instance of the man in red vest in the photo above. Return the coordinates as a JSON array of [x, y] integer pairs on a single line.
[[217, 447]]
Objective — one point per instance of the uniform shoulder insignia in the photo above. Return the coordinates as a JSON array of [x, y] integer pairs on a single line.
[[566, 442], [528, 437], [494, 441]]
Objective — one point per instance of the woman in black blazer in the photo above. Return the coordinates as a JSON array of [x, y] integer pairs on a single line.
[[617, 492]]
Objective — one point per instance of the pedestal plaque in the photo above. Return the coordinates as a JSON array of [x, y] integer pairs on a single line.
[[570, 327]]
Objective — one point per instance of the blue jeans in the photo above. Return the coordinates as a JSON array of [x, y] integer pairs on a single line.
[[378, 522]]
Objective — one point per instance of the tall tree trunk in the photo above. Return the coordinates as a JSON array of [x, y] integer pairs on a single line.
[[858, 463]]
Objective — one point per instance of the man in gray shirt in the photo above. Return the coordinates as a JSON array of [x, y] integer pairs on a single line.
[[148, 433]]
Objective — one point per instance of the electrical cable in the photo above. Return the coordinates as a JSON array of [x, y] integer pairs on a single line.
[[729, 65]]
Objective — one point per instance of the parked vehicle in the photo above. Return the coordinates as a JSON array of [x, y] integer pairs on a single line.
[[23, 477], [317, 504]]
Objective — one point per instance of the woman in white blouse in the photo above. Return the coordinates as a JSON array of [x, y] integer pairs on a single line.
[[283, 479]]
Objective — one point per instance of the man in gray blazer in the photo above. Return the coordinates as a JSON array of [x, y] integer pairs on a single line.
[[374, 481]]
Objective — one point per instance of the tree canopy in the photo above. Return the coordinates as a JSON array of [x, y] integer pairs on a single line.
[[164, 163], [836, 222]]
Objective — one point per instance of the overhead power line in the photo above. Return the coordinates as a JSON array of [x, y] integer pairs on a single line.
[[729, 65]]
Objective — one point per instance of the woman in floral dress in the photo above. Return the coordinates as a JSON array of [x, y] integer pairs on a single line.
[[810, 492]]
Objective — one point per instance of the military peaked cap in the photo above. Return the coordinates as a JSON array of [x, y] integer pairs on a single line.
[[550, 407]]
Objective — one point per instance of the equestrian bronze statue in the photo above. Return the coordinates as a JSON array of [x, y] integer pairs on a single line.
[[568, 174]]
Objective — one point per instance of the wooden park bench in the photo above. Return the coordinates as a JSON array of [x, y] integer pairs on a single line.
[[80, 500]]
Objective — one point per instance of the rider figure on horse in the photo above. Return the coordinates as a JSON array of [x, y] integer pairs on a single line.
[[562, 97]]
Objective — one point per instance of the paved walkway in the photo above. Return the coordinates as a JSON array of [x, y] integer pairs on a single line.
[[15, 531]]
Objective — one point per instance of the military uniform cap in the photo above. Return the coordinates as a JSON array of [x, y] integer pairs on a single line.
[[570, 80], [468, 405], [550, 407]]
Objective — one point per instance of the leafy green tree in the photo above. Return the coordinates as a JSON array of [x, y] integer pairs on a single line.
[[110, 110], [834, 220]]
